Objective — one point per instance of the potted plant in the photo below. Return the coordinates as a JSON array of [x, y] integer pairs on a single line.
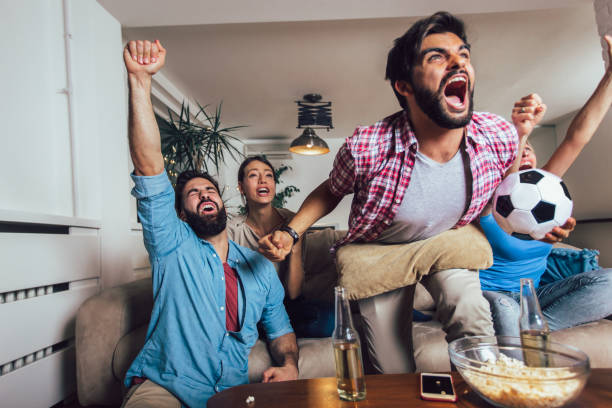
[[196, 142]]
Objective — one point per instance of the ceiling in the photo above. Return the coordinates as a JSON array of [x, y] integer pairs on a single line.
[[148, 13], [259, 59]]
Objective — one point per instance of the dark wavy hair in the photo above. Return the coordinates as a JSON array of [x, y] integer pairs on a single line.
[[405, 51], [251, 159], [183, 179]]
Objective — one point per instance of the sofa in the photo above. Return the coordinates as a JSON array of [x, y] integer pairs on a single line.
[[111, 328]]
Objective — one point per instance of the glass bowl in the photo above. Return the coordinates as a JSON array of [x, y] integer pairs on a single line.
[[493, 366]]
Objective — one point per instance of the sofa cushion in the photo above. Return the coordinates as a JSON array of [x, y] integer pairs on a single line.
[[316, 359], [259, 361], [370, 269], [592, 338], [320, 275], [126, 351]]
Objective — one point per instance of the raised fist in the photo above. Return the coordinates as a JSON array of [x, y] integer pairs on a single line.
[[527, 113], [144, 57]]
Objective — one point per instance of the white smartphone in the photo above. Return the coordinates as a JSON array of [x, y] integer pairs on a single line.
[[437, 387]]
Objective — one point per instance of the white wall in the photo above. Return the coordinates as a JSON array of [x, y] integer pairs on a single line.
[[35, 164], [544, 142], [103, 244], [589, 178], [588, 181], [310, 171], [103, 153]]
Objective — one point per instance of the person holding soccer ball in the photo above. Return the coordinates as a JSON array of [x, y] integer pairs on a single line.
[[574, 300]]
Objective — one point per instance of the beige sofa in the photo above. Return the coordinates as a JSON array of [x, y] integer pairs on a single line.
[[111, 328], [431, 349]]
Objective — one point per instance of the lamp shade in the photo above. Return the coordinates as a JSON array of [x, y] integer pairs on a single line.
[[309, 143]]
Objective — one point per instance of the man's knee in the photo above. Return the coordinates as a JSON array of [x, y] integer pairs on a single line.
[[459, 291], [461, 307]]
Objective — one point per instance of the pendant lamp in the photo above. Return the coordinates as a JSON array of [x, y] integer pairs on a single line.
[[312, 113]]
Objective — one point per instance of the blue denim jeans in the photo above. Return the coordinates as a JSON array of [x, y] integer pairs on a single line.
[[579, 299], [310, 318]]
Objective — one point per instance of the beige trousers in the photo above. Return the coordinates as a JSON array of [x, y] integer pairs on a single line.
[[149, 395], [460, 307]]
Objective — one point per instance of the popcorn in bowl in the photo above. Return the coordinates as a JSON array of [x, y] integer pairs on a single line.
[[539, 387], [493, 368]]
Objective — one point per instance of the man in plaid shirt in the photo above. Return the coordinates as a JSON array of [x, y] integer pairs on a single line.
[[421, 171]]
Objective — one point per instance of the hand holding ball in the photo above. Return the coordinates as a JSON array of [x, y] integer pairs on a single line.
[[530, 203]]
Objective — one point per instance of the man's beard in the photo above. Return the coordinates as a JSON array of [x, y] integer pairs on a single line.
[[432, 104], [206, 225]]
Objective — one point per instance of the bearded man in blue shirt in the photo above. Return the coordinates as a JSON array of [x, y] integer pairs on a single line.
[[209, 293]]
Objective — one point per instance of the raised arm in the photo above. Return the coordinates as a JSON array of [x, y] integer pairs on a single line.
[[142, 60], [526, 114], [584, 125], [319, 203]]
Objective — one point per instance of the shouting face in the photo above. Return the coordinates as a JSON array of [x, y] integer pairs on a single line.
[[258, 185], [443, 80], [203, 208]]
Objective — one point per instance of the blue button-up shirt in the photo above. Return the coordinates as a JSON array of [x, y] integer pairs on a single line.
[[188, 349]]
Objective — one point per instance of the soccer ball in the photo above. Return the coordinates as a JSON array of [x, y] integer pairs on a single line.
[[530, 203]]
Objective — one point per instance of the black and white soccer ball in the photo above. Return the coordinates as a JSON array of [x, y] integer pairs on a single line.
[[530, 203]]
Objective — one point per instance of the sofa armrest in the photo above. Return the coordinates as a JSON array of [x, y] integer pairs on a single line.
[[101, 323]]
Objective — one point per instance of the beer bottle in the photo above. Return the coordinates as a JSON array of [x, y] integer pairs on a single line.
[[347, 351], [533, 327]]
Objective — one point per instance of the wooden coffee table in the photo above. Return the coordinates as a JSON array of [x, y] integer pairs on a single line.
[[388, 391]]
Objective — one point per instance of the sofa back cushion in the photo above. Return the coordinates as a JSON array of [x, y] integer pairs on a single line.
[[320, 273]]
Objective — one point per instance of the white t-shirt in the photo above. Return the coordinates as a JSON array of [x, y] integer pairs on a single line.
[[436, 198]]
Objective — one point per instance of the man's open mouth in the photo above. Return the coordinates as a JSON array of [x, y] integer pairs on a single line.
[[455, 92], [208, 207]]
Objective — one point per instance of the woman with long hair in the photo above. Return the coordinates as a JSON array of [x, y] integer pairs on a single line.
[[257, 184]]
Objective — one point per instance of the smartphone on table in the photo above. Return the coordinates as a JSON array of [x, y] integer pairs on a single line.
[[437, 387]]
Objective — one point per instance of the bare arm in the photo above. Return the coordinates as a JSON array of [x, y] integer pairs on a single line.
[[142, 60], [295, 273], [584, 125], [526, 114], [319, 203], [284, 352]]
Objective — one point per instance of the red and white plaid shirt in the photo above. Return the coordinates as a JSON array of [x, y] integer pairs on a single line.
[[376, 163]]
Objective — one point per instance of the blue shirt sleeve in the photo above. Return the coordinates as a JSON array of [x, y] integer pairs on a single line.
[[274, 316], [163, 231]]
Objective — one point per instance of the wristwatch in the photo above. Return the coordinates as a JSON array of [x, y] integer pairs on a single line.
[[291, 232]]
